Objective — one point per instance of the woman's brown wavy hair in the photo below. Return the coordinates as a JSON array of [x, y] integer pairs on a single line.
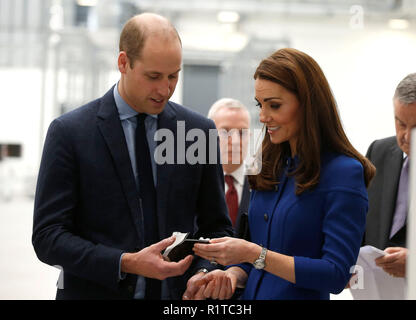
[[320, 128]]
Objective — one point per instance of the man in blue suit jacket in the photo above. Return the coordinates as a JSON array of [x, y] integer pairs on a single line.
[[88, 216]]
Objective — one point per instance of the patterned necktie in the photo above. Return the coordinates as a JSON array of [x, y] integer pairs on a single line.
[[399, 218], [147, 193], [232, 199]]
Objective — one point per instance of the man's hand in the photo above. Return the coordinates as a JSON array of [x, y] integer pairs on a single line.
[[221, 285], [394, 263], [149, 262], [216, 284], [195, 287]]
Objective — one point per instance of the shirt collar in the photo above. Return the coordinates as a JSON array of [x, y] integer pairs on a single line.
[[124, 110], [238, 174]]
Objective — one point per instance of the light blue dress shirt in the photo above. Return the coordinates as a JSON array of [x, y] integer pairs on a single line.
[[129, 123]]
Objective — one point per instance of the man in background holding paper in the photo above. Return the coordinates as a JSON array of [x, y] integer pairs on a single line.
[[388, 192]]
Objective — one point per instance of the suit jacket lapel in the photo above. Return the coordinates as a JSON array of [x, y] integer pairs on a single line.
[[393, 164], [110, 127], [166, 120], [245, 197], [241, 227]]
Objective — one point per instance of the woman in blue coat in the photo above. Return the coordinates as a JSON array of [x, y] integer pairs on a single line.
[[309, 202]]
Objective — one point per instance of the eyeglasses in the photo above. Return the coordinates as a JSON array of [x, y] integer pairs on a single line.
[[241, 133]]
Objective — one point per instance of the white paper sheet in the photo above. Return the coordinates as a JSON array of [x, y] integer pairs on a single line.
[[372, 283]]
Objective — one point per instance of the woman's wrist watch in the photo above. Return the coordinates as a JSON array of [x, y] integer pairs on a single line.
[[260, 262]]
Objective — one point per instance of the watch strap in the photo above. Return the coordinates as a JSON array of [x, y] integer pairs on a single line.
[[263, 253]]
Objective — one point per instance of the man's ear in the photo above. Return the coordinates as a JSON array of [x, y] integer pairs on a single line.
[[122, 61]]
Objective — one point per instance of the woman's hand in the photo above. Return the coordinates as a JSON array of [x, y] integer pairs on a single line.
[[226, 251]]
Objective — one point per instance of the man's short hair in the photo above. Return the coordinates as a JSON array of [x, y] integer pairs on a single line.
[[227, 103], [134, 35], [132, 40], [406, 90]]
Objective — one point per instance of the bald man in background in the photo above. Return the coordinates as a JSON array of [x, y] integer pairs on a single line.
[[104, 207], [232, 120], [388, 192]]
